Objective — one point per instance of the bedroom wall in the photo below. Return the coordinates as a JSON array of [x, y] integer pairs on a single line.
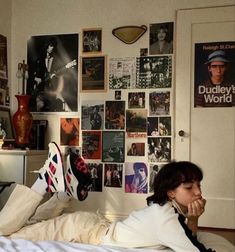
[[42, 17]]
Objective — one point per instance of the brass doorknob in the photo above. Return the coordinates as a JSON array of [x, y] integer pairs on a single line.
[[181, 133]]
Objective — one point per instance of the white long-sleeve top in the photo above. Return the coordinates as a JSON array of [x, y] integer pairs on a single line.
[[154, 226]]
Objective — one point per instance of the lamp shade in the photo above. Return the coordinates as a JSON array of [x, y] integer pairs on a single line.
[[129, 34]]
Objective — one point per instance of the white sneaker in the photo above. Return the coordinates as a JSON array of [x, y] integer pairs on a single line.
[[53, 171], [77, 177]]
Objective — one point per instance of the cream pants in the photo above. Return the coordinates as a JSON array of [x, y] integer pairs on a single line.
[[21, 210]]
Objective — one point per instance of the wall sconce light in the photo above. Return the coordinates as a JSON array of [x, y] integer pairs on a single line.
[[129, 34]]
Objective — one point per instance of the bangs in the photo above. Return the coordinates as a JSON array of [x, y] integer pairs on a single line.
[[190, 175]]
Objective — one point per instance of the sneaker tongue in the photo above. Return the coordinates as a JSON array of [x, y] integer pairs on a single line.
[[80, 170], [79, 163]]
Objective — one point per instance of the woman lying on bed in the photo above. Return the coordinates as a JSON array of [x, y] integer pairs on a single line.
[[170, 220]]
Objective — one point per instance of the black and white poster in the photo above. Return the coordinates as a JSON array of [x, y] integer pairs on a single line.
[[53, 73]]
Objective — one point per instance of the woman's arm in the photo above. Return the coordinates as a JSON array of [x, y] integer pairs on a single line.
[[195, 210]]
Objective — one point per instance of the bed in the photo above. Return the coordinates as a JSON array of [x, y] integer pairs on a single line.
[[15, 245]]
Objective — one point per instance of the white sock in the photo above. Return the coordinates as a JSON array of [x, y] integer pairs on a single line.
[[40, 186]]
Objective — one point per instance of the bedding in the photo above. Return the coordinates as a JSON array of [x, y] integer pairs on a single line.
[[20, 245]]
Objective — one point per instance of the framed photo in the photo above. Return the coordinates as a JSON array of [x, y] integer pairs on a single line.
[[3, 65], [93, 77], [113, 147], [91, 40], [2, 96], [6, 127]]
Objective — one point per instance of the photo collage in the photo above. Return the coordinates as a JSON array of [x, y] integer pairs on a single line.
[[126, 136]]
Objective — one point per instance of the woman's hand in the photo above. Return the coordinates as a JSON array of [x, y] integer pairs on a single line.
[[196, 208]]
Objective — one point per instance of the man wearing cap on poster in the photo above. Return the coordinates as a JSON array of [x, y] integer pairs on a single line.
[[216, 91]]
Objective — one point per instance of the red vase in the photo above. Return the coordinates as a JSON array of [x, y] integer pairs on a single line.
[[22, 121]]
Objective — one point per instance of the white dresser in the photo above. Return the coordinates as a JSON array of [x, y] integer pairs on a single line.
[[15, 165]]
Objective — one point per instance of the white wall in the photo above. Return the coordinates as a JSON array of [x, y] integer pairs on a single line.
[[41, 17]]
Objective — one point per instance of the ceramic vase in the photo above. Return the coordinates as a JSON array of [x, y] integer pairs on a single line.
[[22, 121]]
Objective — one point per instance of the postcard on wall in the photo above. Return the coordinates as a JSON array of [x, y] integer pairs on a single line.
[[91, 144], [92, 40], [113, 175], [69, 131], [122, 73], [92, 115], [3, 62], [115, 115], [214, 83], [136, 100], [159, 149], [159, 126], [136, 177], [93, 77], [154, 72], [135, 148], [53, 73], [136, 120], [113, 148], [96, 172], [161, 38], [159, 103]]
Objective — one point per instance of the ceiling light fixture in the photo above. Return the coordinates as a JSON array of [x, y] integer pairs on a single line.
[[129, 34]]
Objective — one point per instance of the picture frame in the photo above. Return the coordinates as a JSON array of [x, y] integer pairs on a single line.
[[92, 40], [93, 77], [6, 123], [2, 97], [3, 65]]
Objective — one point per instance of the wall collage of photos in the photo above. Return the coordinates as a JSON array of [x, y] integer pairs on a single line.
[[124, 140]]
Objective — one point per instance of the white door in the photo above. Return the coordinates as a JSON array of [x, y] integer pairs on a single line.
[[209, 139]]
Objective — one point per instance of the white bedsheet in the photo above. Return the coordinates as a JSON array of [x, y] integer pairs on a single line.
[[216, 242], [20, 245]]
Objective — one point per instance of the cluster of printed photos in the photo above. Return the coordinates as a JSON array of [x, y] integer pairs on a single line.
[[117, 136]]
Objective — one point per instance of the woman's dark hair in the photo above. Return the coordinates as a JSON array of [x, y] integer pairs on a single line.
[[171, 176]]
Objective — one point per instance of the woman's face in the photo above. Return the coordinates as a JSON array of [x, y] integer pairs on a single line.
[[186, 193], [161, 35]]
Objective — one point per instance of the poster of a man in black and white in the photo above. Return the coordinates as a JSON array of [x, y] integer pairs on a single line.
[[53, 74], [214, 74]]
